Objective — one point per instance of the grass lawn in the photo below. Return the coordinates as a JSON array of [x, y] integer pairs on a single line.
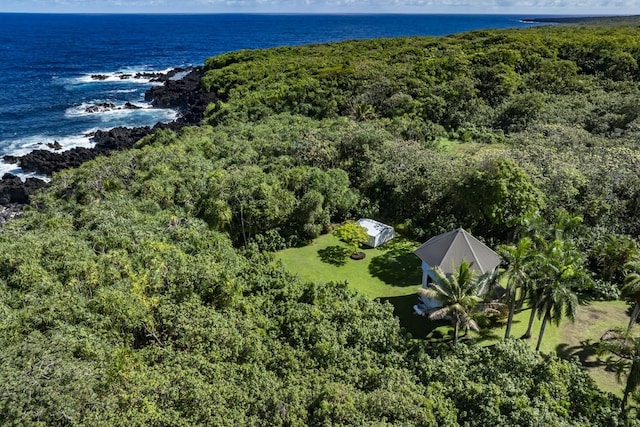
[[389, 273], [392, 270], [392, 273], [579, 339]]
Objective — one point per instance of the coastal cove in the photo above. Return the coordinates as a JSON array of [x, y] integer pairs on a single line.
[[59, 71], [78, 86], [184, 95]]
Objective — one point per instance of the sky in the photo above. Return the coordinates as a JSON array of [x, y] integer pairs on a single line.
[[535, 7]]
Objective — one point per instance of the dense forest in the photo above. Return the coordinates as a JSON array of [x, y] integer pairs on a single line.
[[141, 288]]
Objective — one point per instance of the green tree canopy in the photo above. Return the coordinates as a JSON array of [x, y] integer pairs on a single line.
[[353, 234]]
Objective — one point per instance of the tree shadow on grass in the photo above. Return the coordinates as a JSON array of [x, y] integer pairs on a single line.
[[488, 334], [334, 255], [397, 267], [616, 365], [418, 326], [582, 352]]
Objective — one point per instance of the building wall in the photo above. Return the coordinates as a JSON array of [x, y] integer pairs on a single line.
[[427, 274]]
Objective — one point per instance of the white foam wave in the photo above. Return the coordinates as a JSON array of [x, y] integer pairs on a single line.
[[125, 114], [115, 77], [15, 170], [104, 107], [127, 75], [22, 146], [180, 75]]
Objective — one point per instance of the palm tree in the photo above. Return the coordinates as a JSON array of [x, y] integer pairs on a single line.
[[561, 270], [532, 289], [631, 288], [533, 292], [558, 301], [458, 295], [627, 349], [519, 258], [565, 225]]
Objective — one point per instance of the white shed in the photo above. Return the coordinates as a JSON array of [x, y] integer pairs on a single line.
[[378, 232]]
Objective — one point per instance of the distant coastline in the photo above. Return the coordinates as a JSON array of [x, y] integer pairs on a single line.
[[586, 20]]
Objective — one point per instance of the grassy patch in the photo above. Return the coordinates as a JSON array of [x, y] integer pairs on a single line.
[[392, 273], [576, 340], [466, 148], [389, 273]]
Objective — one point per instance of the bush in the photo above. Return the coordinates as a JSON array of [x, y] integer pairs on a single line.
[[603, 290]]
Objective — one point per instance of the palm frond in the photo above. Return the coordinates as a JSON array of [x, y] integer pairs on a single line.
[[441, 313], [471, 324], [430, 293]]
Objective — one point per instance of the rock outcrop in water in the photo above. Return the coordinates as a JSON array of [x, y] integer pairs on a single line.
[[185, 95], [151, 76], [14, 191], [47, 162]]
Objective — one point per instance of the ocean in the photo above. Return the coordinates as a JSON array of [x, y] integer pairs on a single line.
[[49, 94]]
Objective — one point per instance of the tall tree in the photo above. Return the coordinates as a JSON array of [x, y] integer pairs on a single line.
[[611, 256], [561, 271], [519, 259], [497, 197], [631, 289], [458, 295], [534, 293], [627, 348], [564, 229]]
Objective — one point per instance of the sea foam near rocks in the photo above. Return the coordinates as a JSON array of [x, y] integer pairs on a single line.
[[122, 113], [23, 146], [128, 75], [13, 169]]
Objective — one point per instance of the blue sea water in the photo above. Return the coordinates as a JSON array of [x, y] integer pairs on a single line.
[[46, 61]]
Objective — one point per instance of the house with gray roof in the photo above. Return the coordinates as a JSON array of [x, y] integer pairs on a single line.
[[447, 251]]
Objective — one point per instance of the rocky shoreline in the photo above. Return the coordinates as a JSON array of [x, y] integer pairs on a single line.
[[185, 94]]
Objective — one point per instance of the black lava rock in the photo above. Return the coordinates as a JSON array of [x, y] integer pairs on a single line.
[[185, 94]]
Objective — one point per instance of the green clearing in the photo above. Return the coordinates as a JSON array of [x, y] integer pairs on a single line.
[[577, 339], [466, 148], [392, 273], [386, 272]]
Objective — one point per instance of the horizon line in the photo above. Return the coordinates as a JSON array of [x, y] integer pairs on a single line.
[[569, 15]]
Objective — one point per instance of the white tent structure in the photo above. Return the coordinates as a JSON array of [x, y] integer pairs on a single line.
[[378, 232]]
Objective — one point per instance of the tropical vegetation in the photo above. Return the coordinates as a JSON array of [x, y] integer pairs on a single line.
[[458, 296], [353, 234], [141, 288]]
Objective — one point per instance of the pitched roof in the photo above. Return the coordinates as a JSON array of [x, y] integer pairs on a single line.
[[448, 250]]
